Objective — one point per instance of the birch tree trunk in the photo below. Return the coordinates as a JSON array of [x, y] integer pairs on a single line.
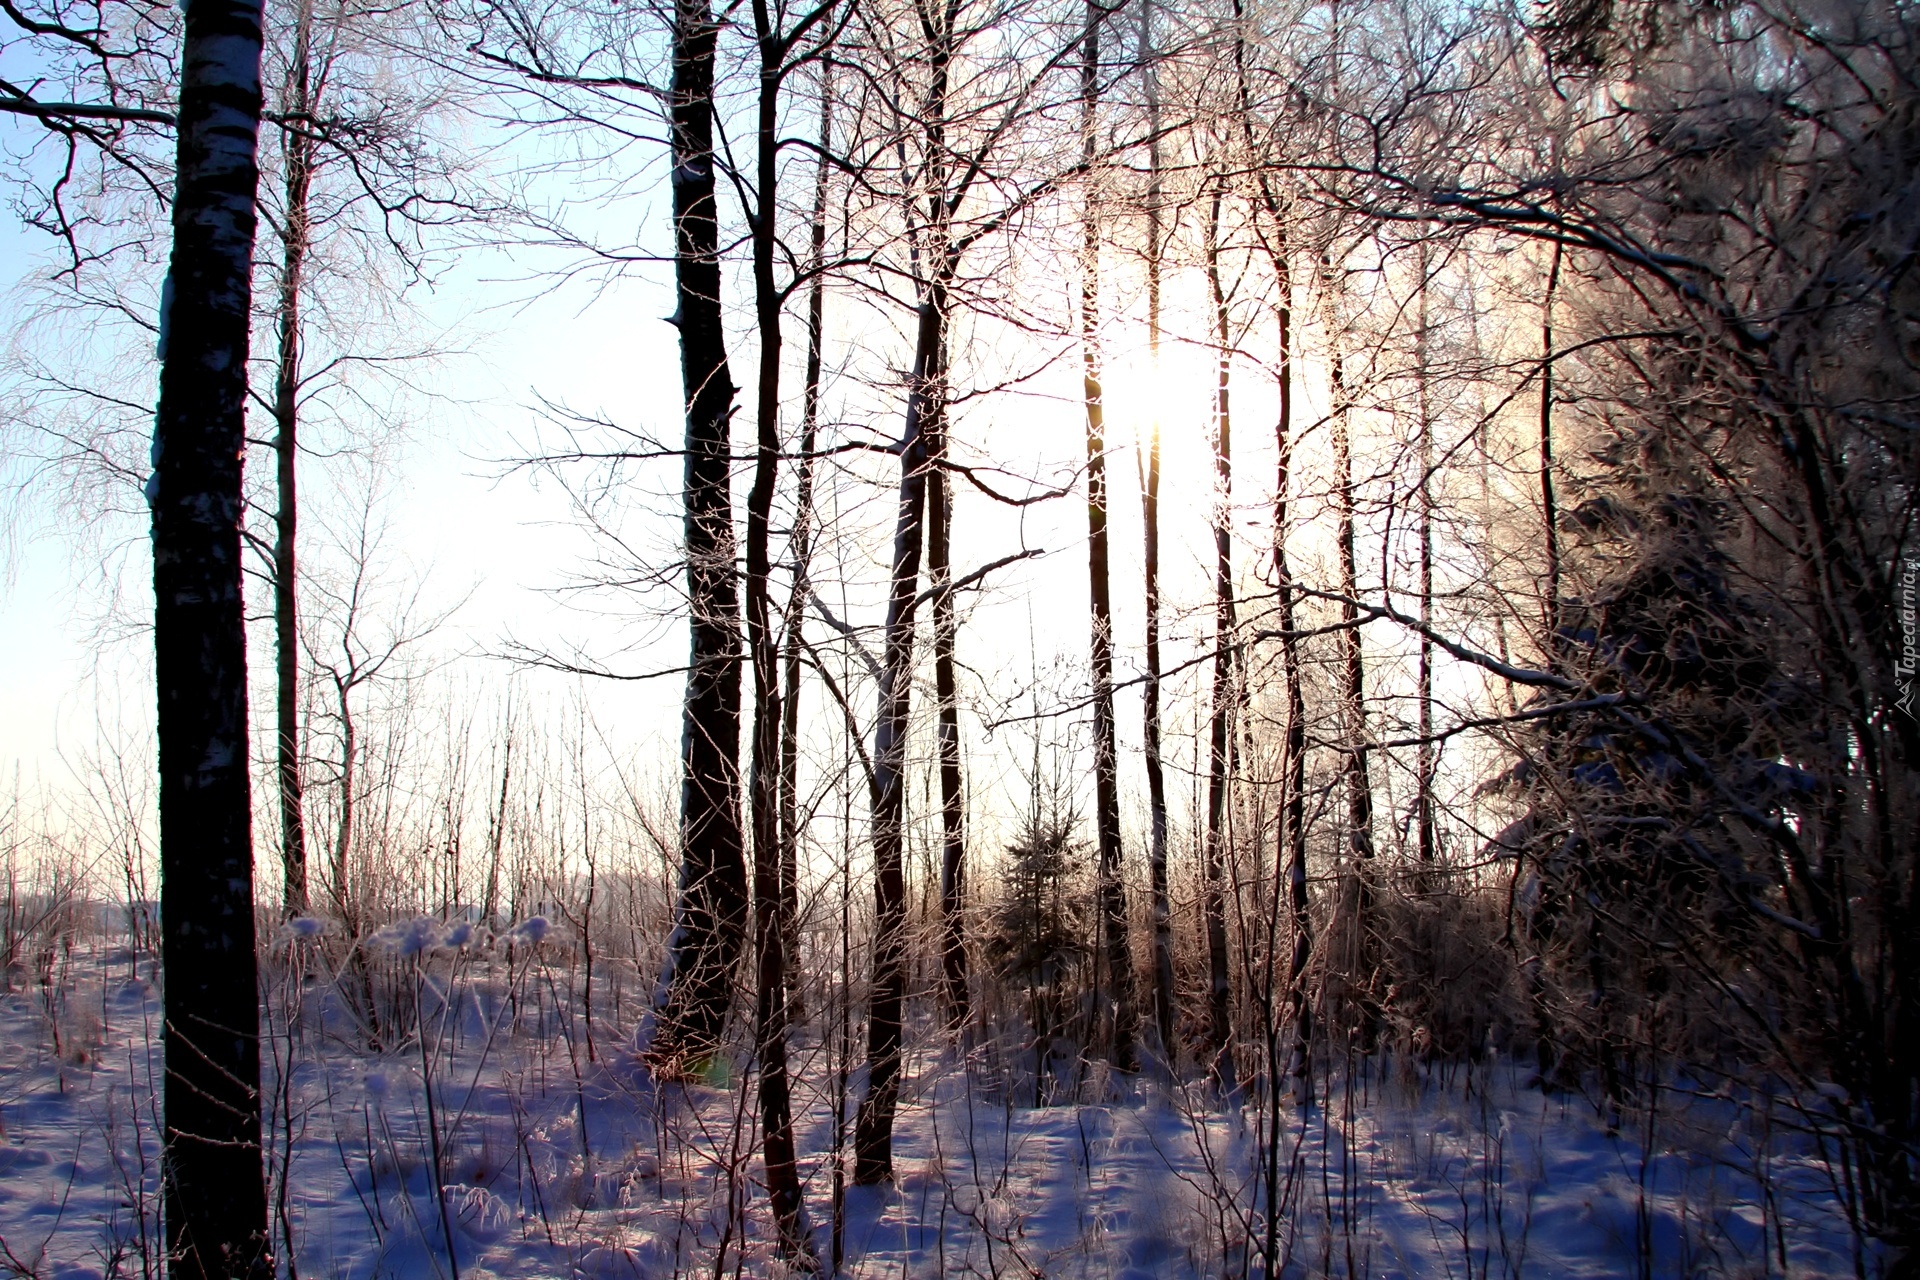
[[214, 1189]]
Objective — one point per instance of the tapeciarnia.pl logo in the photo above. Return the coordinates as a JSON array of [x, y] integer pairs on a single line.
[[1907, 665]]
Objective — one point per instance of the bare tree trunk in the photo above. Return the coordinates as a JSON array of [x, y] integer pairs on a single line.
[[776, 1103], [343, 831], [1220, 989], [1291, 835], [953, 835], [923, 432], [873, 1125], [214, 1186], [801, 548], [1483, 458], [1115, 967], [1549, 511], [297, 133], [710, 917], [1358, 785], [1150, 519], [946, 623], [497, 828], [1428, 837], [1293, 808]]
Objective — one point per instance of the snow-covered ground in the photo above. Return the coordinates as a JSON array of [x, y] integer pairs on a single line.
[[559, 1158]]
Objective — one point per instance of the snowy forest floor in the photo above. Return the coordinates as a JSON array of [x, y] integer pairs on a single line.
[[559, 1158]]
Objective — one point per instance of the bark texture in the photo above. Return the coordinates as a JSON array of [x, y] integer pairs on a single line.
[[711, 915], [214, 1194]]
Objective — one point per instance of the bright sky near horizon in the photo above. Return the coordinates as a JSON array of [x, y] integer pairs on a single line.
[[454, 518], [504, 542]]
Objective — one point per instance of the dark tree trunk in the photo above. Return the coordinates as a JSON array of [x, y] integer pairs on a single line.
[[873, 1126], [1220, 987], [1115, 970], [1357, 784], [923, 431], [770, 1021], [298, 144], [214, 1187], [1150, 520], [802, 552], [953, 832], [1428, 835], [946, 626], [1549, 511], [1294, 805], [343, 833], [1292, 841], [497, 828], [710, 917]]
